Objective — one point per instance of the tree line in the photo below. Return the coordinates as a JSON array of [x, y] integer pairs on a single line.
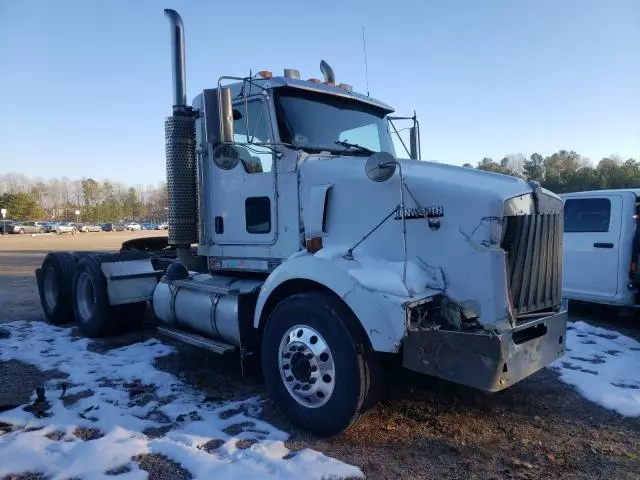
[[57, 199], [97, 201], [567, 171]]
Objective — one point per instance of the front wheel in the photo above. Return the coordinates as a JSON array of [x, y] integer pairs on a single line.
[[318, 365], [21, 231]]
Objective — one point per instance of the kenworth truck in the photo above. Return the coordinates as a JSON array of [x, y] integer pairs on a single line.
[[298, 238]]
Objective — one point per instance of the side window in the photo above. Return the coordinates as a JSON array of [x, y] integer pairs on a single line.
[[255, 158], [587, 215], [258, 214], [366, 135]]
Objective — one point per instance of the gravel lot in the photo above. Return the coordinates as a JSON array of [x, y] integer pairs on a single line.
[[424, 428]]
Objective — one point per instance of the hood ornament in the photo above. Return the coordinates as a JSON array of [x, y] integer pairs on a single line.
[[537, 194]]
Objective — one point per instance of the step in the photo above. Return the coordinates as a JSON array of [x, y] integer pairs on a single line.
[[196, 340]]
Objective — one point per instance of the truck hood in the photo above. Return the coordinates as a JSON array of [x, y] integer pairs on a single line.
[[454, 219]]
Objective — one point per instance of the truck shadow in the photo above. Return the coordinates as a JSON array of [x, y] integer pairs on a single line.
[[626, 322]]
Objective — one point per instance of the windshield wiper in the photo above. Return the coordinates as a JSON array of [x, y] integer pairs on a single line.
[[355, 146]]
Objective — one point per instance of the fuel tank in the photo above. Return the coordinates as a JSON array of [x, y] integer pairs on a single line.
[[211, 305]]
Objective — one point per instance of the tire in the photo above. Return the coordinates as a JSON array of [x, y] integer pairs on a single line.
[[95, 316], [54, 286], [42, 230], [21, 231], [349, 362]]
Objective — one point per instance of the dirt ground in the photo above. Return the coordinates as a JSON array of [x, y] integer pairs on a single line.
[[423, 428]]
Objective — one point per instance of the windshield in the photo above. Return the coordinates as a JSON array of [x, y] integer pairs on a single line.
[[317, 121]]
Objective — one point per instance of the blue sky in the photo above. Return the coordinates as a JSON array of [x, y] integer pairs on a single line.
[[86, 85]]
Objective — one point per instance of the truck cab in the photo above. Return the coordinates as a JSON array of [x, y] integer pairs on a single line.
[[601, 246], [279, 123]]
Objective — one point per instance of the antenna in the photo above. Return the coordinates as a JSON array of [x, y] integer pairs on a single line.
[[366, 68]]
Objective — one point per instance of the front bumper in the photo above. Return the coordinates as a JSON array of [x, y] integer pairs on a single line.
[[487, 361]]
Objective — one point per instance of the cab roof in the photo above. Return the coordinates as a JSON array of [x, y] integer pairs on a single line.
[[277, 82]]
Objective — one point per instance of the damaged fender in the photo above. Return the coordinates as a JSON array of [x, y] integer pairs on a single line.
[[381, 315]]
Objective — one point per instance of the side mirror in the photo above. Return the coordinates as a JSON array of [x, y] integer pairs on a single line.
[[225, 156], [380, 166], [226, 115]]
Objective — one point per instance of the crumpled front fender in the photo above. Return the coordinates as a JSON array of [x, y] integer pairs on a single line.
[[381, 315]]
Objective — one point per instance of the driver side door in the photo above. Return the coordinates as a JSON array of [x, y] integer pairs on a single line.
[[244, 200]]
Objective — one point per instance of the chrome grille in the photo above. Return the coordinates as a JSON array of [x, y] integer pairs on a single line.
[[533, 244]]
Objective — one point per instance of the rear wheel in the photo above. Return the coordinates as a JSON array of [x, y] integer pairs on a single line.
[[95, 315], [318, 365], [55, 282], [91, 305], [21, 231]]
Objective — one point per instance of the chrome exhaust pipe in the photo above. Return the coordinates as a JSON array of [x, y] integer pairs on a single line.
[[327, 71], [177, 60]]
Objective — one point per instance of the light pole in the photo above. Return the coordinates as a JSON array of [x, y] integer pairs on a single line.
[[3, 212], [77, 217]]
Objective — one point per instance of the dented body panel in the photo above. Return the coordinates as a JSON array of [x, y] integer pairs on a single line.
[[381, 315], [457, 240]]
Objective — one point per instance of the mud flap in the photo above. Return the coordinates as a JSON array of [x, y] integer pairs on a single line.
[[130, 281]]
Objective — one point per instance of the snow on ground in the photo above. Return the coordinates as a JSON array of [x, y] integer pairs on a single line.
[[604, 366], [121, 398]]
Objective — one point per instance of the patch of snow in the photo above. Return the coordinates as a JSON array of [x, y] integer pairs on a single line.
[[379, 274], [329, 253], [604, 366], [50, 445], [385, 276]]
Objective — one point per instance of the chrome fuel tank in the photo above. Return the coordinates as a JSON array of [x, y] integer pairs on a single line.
[[208, 304]]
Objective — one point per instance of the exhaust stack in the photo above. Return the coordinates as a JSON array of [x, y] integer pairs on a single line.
[[327, 71], [177, 59], [180, 150]]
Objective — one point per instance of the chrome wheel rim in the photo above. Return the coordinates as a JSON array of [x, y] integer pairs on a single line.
[[306, 366], [85, 295], [50, 288]]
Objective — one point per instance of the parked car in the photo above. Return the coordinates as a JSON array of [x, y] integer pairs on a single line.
[[90, 227], [49, 226], [27, 227], [132, 226], [6, 226], [66, 227], [163, 226], [148, 226], [113, 227], [602, 247]]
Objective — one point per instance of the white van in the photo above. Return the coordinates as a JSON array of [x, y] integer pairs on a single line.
[[601, 247]]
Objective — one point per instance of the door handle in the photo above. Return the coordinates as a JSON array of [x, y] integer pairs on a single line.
[[219, 225], [603, 245]]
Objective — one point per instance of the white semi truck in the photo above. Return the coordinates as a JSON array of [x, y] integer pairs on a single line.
[[298, 238]]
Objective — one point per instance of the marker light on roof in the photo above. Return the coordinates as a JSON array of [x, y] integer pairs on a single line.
[[346, 87], [313, 80], [265, 74], [329, 84]]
